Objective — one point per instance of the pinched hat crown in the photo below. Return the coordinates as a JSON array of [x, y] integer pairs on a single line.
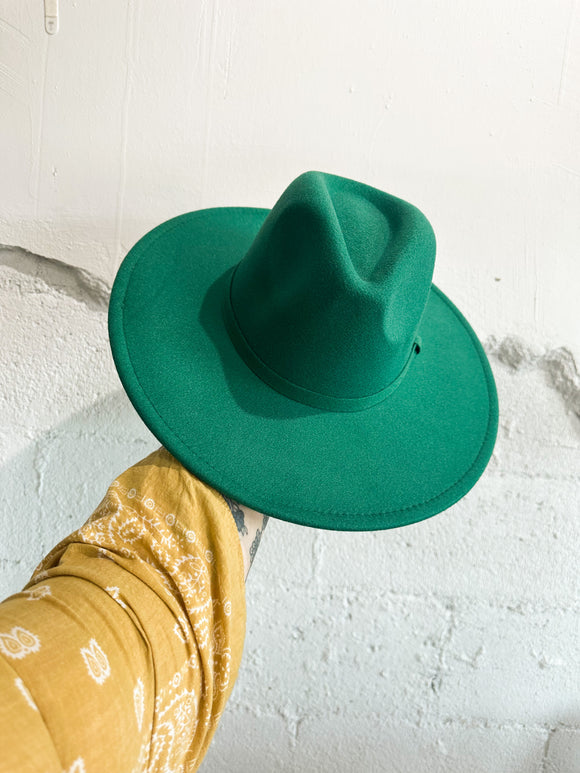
[[326, 303]]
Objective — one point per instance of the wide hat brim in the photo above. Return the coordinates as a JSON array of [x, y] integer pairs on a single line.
[[402, 460]]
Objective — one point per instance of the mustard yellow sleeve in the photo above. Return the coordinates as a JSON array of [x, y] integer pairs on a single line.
[[122, 650]]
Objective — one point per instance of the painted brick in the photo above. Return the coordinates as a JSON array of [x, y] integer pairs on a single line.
[[512, 665], [354, 743], [248, 742], [342, 648], [563, 752]]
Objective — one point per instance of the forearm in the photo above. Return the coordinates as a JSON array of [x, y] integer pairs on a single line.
[[250, 525]]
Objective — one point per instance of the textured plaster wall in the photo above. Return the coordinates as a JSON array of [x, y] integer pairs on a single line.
[[448, 646]]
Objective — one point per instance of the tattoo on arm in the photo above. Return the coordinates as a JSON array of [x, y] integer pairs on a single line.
[[250, 525], [238, 514], [256, 541]]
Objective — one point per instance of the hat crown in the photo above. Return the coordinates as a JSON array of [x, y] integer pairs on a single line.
[[326, 303]]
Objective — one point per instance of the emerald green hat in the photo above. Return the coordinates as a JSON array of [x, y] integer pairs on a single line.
[[301, 361]]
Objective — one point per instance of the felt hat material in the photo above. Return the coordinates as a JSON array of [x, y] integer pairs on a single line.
[[301, 361]]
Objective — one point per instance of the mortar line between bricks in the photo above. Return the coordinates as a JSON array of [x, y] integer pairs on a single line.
[[491, 724], [433, 723], [520, 474], [516, 605]]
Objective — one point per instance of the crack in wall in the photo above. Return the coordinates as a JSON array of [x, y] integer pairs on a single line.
[[77, 283], [558, 364]]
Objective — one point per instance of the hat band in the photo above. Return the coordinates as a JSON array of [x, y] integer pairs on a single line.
[[294, 391]]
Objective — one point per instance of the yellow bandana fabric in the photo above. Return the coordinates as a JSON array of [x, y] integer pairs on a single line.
[[122, 650]]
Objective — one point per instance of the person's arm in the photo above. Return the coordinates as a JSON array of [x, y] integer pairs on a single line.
[[137, 619], [251, 525]]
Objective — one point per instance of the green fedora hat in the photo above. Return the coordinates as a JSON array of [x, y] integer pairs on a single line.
[[301, 361]]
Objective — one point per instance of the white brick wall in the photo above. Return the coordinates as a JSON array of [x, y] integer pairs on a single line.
[[450, 645]]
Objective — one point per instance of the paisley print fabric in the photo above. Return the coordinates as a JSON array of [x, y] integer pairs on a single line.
[[127, 655]]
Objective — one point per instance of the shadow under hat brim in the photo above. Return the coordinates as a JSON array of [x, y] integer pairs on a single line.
[[405, 459]]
